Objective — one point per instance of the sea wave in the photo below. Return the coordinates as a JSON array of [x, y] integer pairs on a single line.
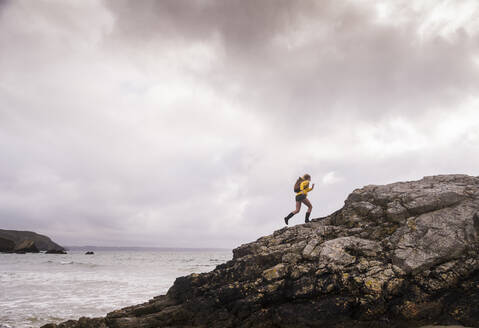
[[86, 264], [67, 262]]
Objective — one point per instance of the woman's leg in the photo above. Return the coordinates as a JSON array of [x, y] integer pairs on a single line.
[[298, 207], [290, 215], [310, 208]]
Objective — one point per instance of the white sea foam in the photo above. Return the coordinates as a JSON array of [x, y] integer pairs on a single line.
[[39, 288], [67, 262]]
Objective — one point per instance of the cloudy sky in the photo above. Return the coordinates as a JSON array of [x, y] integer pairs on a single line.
[[185, 123]]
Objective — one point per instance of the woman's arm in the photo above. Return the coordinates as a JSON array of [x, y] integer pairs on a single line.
[[305, 186]]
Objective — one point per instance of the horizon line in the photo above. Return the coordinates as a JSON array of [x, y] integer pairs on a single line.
[[147, 247]]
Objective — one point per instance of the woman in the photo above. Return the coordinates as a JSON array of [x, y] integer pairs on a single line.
[[301, 197]]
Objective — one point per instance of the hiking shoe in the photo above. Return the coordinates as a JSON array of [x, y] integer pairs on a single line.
[[306, 221], [286, 221]]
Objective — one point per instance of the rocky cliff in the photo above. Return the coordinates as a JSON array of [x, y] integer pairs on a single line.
[[25, 240], [399, 255]]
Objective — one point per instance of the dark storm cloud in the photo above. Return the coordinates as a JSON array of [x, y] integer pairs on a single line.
[[4, 3], [242, 25], [348, 63]]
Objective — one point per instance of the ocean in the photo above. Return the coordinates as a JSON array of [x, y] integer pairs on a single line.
[[36, 289]]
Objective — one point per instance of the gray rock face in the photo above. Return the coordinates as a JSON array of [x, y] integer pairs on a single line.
[[434, 237], [398, 255]]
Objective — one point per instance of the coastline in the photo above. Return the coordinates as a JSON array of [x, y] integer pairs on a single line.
[[404, 254]]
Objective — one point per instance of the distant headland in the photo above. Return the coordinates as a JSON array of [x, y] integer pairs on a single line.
[[13, 241]]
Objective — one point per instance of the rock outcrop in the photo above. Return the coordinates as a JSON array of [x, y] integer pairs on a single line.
[[6, 245], [26, 246], [399, 255], [42, 243]]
